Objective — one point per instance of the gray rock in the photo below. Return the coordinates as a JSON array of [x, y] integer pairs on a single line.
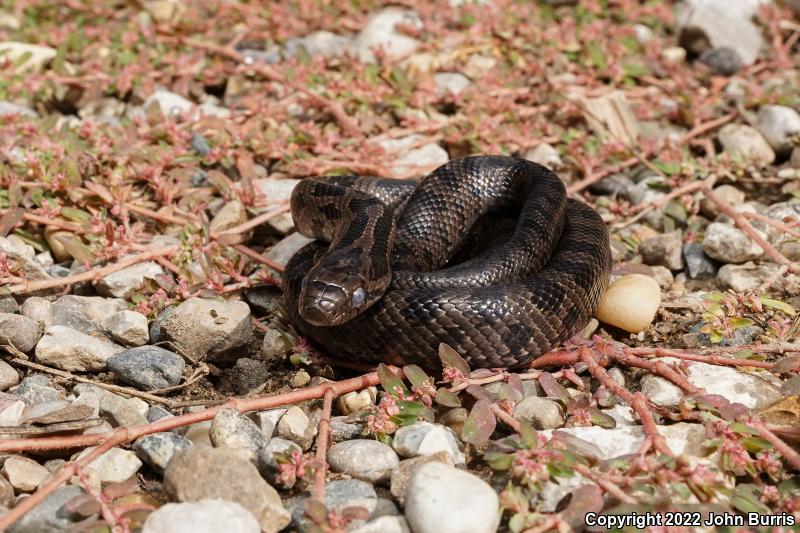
[[87, 314], [385, 524], [55, 412], [664, 250], [114, 466], [209, 329], [787, 213], [9, 109], [123, 282], [148, 367], [540, 412], [546, 155], [698, 264], [8, 304], [49, 516], [746, 142], [6, 493], [36, 389], [708, 24], [728, 244], [8, 376], [724, 60], [24, 474], [424, 438], [450, 82], [200, 144], [277, 344], [203, 516], [155, 328], [268, 463], [247, 376], [157, 450], [286, 248], [379, 32], [614, 185], [728, 194], [68, 349], [198, 473], [320, 43], [780, 126], [121, 411], [39, 309], [344, 429], [443, 499], [19, 331], [296, 426], [368, 460], [129, 328], [27, 267], [401, 476], [233, 429], [156, 413], [344, 493]]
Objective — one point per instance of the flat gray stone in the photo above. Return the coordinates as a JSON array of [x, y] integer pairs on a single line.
[[148, 367]]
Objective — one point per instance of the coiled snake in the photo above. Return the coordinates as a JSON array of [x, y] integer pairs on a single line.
[[485, 254]]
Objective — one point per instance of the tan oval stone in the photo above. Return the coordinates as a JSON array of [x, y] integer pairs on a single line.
[[630, 303]]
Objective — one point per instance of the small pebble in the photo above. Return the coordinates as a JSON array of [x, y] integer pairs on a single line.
[[148, 367], [424, 438], [123, 282], [368, 460], [698, 264], [203, 516], [122, 411], [402, 474], [200, 144], [746, 142], [114, 466], [296, 426], [724, 61], [300, 379], [8, 376], [630, 303], [36, 388], [664, 250], [267, 421], [69, 349], [48, 516], [19, 331], [157, 450], [6, 493], [233, 429], [728, 194], [268, 463], [780, 126], [24, 474], [353, 402], [129, 328], [39, 309], [728, 244], [540, 412]]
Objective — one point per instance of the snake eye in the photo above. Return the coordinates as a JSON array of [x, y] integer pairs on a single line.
[[358, 297]]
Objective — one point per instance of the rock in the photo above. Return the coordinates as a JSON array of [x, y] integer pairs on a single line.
[[698, 264], [450, 82], [27, 267], [644, 193], [300, 379], [199, 144], [424, 438], [203, 516], [55, 412], [68, 349], [295, 425], [664, 250], [8, 376], [611, 117], [276, 345], [320, 43], [24, 474], [276, 191], [747, 143], [353, 402], [546, 155], [708, 24], [753, 390], [630, 303], [233, 429], [660, 391], [121, 411], [123, 282], [384, 524], [344, 429], [344, 493], [198, 473], [247, 376], [661, 274], [114, 466], [157, 450], [209, 329], [749, 276], [368, 460], [401, 475], [129, 328], [26, 57], [724, 60], [267, 421], [36, 389], [165, 11], [540, 412], [49, 516], [454, 419], [420, 160], [780, 126], [10, 109], [168, 103], [87, 314], [39, 309], [6, 493], [614, 185], [156, 413], [728, 244], [787, 213], [379, 32], [443, 499], [19, 331], [231, 215], [622, 415], [286, 248], [268, 463], [148, 367], [11, 412], [8, 304]]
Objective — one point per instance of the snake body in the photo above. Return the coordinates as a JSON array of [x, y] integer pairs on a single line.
[[485, 254]]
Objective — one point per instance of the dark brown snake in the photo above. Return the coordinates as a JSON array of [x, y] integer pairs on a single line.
[[485, 254]]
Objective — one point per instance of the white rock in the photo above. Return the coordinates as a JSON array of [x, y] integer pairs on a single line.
[[320, 43], [661, 391], [368, 460], [729, 244], [420, 161], [203, 516], [379, 31], [37, 55], [540, 412], [384, 524], [68, 349], [295, 426], [37, 308], [122, 282], [780, 126], [630, 303], [544, 154], [24, 474], [267, 421], [169, 103], [8, 376], [129, 328], [424, 438], [746, 142], [451, 82], [749, 276], [114, 466], [11, 412], [355, 401], [443, 499]]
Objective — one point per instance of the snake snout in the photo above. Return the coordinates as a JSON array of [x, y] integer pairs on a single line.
[[329, 304]]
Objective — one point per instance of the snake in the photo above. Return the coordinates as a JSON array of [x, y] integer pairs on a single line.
[[486, 254]]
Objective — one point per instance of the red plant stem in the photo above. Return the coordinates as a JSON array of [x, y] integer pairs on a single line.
[[774, 223], [595, 177], [252, 254], [680, 191], [748, 229], [250, 224], [658, 368], [606, 485], [505, 417], [155, 215], [706, 127], [710, 359], [60, 224], [791, 456], [92, 274], [322, 445]]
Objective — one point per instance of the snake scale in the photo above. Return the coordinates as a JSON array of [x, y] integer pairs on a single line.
[[486, 254]]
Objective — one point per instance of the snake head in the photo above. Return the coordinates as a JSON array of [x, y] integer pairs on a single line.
[[332, 297]]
